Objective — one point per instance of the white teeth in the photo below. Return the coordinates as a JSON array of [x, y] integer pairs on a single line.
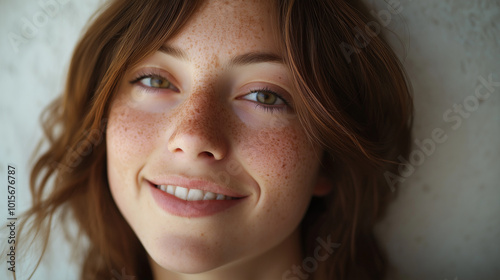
[[209, 196], [192, 194], [170, 189], [181, 192], [195, 195]]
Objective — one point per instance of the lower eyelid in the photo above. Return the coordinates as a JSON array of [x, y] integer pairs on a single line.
[[271, 108], [148, 89]]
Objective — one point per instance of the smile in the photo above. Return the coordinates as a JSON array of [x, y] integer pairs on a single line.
[[192, 194], [193, 198]]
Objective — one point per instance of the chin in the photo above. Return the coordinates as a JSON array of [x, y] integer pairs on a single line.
[[185, 257]]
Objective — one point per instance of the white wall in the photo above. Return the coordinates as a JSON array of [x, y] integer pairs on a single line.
[[32, 74], [445, 222]]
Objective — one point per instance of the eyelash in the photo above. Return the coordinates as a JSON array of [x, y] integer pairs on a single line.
[[267, 108], [270, 108], [151, 76]]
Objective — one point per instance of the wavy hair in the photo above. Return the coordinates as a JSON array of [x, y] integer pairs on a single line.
[[357, 108]]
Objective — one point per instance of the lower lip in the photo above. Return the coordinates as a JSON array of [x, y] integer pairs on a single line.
[[191, 209]]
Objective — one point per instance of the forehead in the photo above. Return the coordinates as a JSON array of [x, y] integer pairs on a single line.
[[229, 28]]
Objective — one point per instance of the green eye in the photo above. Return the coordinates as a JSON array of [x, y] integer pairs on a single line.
[[156, 82], [265, 97]]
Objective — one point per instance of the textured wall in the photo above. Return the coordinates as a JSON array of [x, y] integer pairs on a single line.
[[446, 219], [35, 49], [445, 222]]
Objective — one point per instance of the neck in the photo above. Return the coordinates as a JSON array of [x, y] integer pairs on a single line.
[[269, 265]]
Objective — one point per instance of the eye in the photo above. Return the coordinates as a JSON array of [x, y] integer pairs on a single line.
[[154, 82], [265, 97], [157, 82], [267, 100]]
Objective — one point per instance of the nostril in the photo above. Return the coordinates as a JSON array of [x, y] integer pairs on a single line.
[[207, 154], [196, 146]]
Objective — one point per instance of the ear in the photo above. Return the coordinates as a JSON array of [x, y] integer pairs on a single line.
[[323, 186]]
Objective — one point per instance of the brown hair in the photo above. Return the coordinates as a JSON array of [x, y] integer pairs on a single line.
[[359, 111]]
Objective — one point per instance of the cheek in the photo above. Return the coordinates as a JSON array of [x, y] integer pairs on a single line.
[[285, 166], [130, 137]]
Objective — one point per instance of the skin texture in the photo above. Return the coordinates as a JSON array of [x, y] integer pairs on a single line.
[[208, 127]]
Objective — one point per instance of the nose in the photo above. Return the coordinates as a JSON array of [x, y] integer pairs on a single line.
[[198, 129]]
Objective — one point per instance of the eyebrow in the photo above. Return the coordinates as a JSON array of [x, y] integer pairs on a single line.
[[175, 52], [241, 60]]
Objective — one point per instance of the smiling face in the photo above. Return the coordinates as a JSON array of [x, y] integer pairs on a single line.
[[211, 114]]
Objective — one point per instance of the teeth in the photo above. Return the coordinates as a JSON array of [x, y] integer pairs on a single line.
[[195, 195], [181, 192], [192, 194], [209, 196], [170, 189]]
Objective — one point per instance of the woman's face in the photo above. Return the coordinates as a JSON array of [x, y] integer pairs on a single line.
[[211, 114]]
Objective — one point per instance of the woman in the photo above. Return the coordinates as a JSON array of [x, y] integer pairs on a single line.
[[232, 140]]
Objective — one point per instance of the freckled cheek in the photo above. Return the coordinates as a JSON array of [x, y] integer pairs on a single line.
[[131, 136], [284, 164]]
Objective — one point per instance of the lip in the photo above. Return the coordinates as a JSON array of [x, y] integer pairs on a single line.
[[199, 184], [192, 209]]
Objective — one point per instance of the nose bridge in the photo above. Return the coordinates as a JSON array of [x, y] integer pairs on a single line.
[[198, 113], [198, 127]]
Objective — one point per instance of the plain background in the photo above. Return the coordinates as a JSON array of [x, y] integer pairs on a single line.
[[445, 222]]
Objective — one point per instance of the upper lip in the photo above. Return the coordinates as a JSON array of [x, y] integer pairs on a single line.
[[195, 183]]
